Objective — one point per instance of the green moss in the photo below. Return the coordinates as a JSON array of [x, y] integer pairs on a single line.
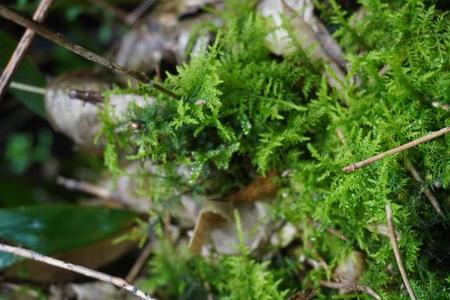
[[244, 112]]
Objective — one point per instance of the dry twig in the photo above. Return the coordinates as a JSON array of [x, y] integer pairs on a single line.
[[22, 47], [398, 258], [351, 288], [61, 40], [117, 281], [415, 174], [424, 139], [85, 187], [139, 263], [94, 97]]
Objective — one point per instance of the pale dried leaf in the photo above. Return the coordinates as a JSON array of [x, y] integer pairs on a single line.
[[311, 34], [76, 118], [162, 35], [216, 227]]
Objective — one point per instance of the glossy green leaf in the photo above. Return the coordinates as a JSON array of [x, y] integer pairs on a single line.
[[51, 229], [27, 73]]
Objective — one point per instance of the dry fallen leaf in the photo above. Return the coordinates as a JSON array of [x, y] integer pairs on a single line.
[[79, 119], [216, 227], [164, 35], [311, 34]]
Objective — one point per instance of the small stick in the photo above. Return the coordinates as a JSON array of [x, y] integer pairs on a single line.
[[426, 138], [415, 174], [27, 88], [85, 187], [61, 40], [398, 258], [351, 288], [25, 41], [117, 281], [87, 96], [139, 263]]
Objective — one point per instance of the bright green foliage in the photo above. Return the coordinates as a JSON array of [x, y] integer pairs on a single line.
[[179, 275], [243, 278], [244, 111], [231, 94]]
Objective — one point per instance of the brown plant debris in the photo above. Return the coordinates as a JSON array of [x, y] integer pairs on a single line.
[[368, 161], [398, 257]]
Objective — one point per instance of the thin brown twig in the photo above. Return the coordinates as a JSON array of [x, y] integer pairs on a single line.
[[94, 97], [85, 187], [22, 46], [394, 244], [139, 263], [424, 139], [117, 281], [351, 288], [61, 40], [415, 174]]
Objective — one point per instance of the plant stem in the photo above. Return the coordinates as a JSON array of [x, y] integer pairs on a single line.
[[398, 257], [27, 88], [140, 262], [22, 46], [85, 187], [117, 281], [61, 40], [424, 139]]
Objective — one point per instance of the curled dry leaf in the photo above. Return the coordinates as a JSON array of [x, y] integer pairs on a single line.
[[79, 119], [164, 36], [216, 227], [311, 34]]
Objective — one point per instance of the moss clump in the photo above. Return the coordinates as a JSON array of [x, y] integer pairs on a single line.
[[244, 112]]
